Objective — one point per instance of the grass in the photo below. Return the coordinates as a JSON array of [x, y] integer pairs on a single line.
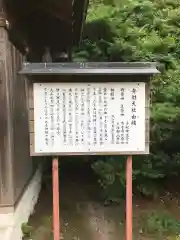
[[161, 225]]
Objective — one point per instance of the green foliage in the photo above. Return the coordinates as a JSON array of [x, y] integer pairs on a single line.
[[159, 223], [112, 177], [44, 231], [140, 30], [26, 231]]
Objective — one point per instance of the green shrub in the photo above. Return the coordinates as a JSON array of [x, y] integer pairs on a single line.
[[159, 223], [140, 30]]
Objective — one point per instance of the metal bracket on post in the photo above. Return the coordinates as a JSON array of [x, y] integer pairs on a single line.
[[56, 219], [129, 198]]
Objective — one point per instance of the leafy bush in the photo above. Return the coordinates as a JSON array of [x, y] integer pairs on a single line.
[[140, 30], [161, 223]]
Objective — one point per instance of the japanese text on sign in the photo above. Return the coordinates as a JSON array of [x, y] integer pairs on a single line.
[[85, 118]]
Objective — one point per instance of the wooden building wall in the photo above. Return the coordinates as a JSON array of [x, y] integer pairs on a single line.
[[15, 161]]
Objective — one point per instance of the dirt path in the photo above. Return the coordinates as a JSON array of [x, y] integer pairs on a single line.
[[83, 216]]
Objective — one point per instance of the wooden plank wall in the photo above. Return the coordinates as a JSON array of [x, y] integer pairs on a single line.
[[15, 161], [6, 181]]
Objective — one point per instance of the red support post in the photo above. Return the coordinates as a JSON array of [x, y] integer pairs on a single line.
[[56, 220], [129, 198]]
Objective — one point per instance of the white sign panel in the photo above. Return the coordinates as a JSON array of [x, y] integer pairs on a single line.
[[89, 118]]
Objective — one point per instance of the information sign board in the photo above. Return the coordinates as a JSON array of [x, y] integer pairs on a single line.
[[89, 118]]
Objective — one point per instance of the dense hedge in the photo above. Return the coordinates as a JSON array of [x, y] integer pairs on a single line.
[[140, 30]]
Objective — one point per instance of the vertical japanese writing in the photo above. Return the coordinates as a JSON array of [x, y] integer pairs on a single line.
[[118, 133], [122, 102], [122, 93], [100, 102], [76, 105], [82, 114], [70, 108], [112, 91], [122, 132], [52, 120], [133, 109], [112, 97], [105, 115], [94, 116], [64, 116], [127, 133], [112, 129], [88, 116], [58, 111], [46, 128]]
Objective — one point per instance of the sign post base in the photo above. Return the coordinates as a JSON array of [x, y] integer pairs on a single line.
[[129, 198], [55, 178]]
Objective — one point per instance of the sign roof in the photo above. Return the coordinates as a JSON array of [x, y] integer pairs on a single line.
[[90, 68]]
